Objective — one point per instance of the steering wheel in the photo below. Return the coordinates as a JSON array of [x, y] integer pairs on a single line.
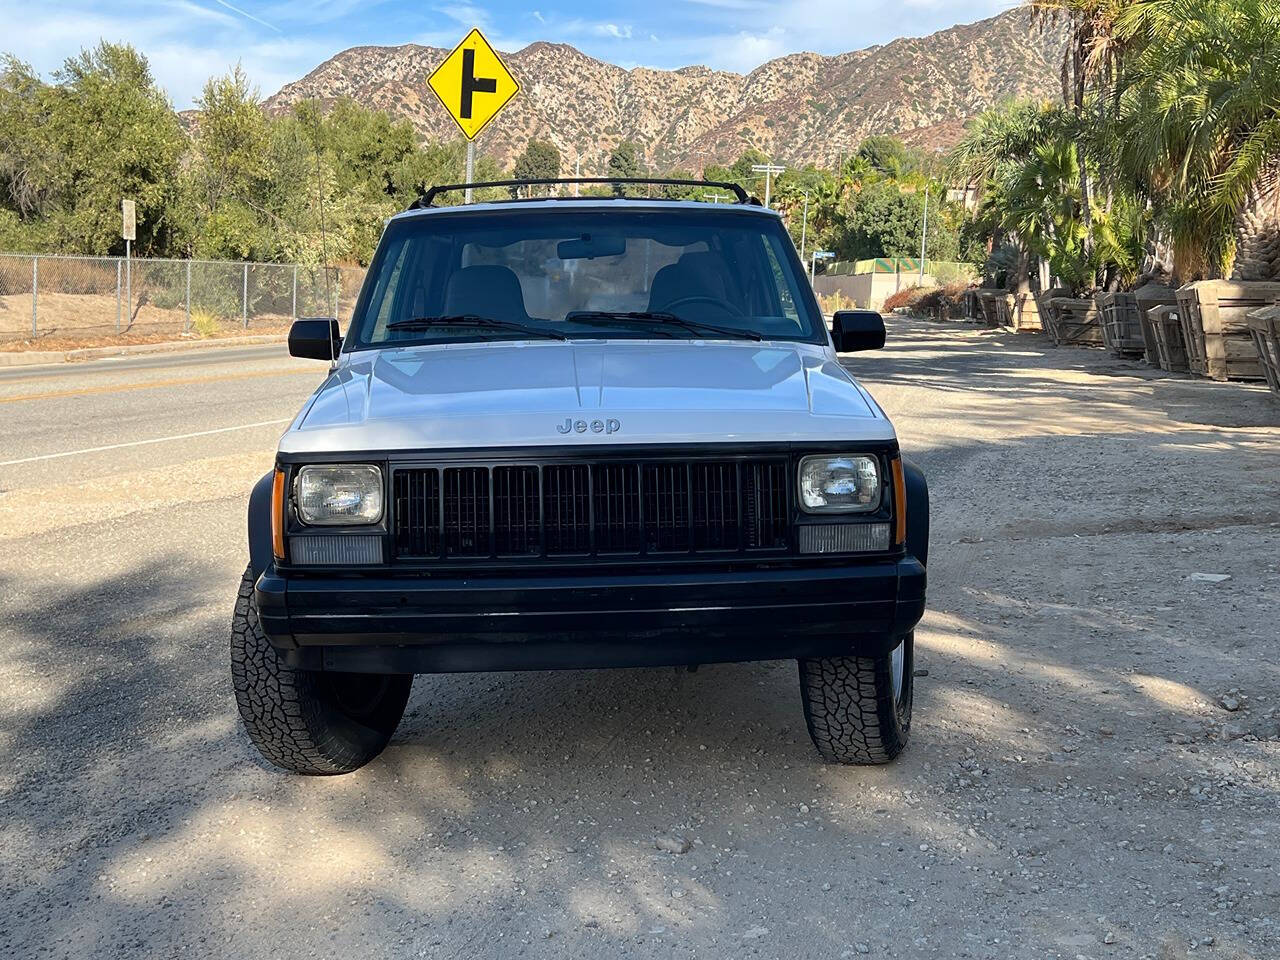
[[724, 305]]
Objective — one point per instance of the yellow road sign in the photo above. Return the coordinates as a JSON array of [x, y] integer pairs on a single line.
[[473, 84]]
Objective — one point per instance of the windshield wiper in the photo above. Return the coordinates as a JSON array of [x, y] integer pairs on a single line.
[[473, 320], [659, 316]]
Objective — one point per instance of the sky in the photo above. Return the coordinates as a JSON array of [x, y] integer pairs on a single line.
[[277, 41]]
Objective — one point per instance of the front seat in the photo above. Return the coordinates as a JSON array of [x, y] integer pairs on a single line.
[[487, 290], [693, 275]]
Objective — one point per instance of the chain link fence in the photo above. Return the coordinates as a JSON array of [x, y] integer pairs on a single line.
[[101, 297]]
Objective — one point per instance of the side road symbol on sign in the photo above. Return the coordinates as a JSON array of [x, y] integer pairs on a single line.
[[473, 84]]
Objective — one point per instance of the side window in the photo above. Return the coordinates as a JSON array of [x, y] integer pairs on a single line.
[[781, 289], [388, 280]]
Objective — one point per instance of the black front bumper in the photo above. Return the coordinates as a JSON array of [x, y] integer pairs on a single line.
[[418, 624]]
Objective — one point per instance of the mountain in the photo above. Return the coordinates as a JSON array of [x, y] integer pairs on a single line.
[[798, 108]]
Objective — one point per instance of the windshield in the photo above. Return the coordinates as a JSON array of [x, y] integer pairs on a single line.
[[533, 274]]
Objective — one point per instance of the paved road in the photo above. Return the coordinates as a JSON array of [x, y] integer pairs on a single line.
[[1075, 786]]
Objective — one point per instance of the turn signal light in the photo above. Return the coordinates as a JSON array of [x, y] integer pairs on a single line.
[[899, 503], [277, 515]]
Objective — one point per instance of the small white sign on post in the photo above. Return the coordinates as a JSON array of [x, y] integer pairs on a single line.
[[129, 224]]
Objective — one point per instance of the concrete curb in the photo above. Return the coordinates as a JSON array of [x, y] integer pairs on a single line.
[[23, 358]]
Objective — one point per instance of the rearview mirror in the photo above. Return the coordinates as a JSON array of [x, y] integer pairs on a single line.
[[588, 247], [857, 330], [315, 339]]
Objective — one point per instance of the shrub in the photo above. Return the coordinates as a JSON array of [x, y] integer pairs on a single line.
[[943, 302], [204, 323], [908, 297]]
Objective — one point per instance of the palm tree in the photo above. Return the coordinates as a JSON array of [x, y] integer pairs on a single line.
[[1200, 121], [1090, 62], [991, 157]]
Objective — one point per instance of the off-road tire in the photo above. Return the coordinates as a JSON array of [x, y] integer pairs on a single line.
[[850, 707], [308, 721]]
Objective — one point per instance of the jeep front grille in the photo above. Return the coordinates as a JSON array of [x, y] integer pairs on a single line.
[[608, 509]]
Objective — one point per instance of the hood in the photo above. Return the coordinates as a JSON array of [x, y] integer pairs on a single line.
[[550, 393]]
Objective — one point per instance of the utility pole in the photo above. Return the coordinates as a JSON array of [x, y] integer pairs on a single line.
[[768, 169], [924, 232], [717, 197]]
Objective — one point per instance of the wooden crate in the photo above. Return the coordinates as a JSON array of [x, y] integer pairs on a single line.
[[987, 301], [1047, 311], [1077, 323], [1121, 331], [1004, 309], [972, 305], [1171, 351], [1264, 325], [1026, 313], [1215, 326], [1150, 296]]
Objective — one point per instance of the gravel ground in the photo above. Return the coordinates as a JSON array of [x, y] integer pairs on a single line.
[[1094, 768]]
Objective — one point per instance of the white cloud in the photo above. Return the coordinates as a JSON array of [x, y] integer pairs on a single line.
[[466, 15], [613, 30]]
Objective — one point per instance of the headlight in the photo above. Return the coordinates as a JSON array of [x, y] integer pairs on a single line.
[[839, 484], [339, 494]]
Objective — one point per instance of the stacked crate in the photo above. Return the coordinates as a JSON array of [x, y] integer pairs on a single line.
[[1171, 352], [1121, 330], [1264, 325], [1076, 322], [1215, 326], [1150, 296], [1026, 313], [1048, 312]]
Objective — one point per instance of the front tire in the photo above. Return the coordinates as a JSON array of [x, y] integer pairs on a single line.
[[308, 721], [859, 708]]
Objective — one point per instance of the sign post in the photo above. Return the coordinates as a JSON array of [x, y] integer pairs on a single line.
[[129, 233], [473, 85]]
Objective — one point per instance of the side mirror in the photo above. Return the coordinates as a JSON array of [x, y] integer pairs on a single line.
[[857, 330], [315, 339]]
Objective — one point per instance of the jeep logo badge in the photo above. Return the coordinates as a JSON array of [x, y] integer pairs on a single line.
[[571, 425]]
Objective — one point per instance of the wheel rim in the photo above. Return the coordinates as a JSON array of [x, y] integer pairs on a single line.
[[897, 664]]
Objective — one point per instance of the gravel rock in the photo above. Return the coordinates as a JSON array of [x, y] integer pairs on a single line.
[[672, 844], [1229, 703]]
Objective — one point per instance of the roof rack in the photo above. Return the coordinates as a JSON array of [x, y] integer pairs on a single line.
[[426, 199]]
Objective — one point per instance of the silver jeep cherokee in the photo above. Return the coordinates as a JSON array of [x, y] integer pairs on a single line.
[[580, 432]]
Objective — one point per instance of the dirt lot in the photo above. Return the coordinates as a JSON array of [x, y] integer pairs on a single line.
[[1094, 769]]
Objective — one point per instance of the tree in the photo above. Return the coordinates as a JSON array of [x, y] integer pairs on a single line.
[[540, 160], [1199, 129], [886, 154], [625, 161], [232, 170], [880, 221], [71, 151]]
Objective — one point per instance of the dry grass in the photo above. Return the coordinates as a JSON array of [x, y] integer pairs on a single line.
[[834, 301], [71, 320]]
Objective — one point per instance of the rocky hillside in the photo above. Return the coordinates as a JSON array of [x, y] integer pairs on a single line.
[[798, 108]]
